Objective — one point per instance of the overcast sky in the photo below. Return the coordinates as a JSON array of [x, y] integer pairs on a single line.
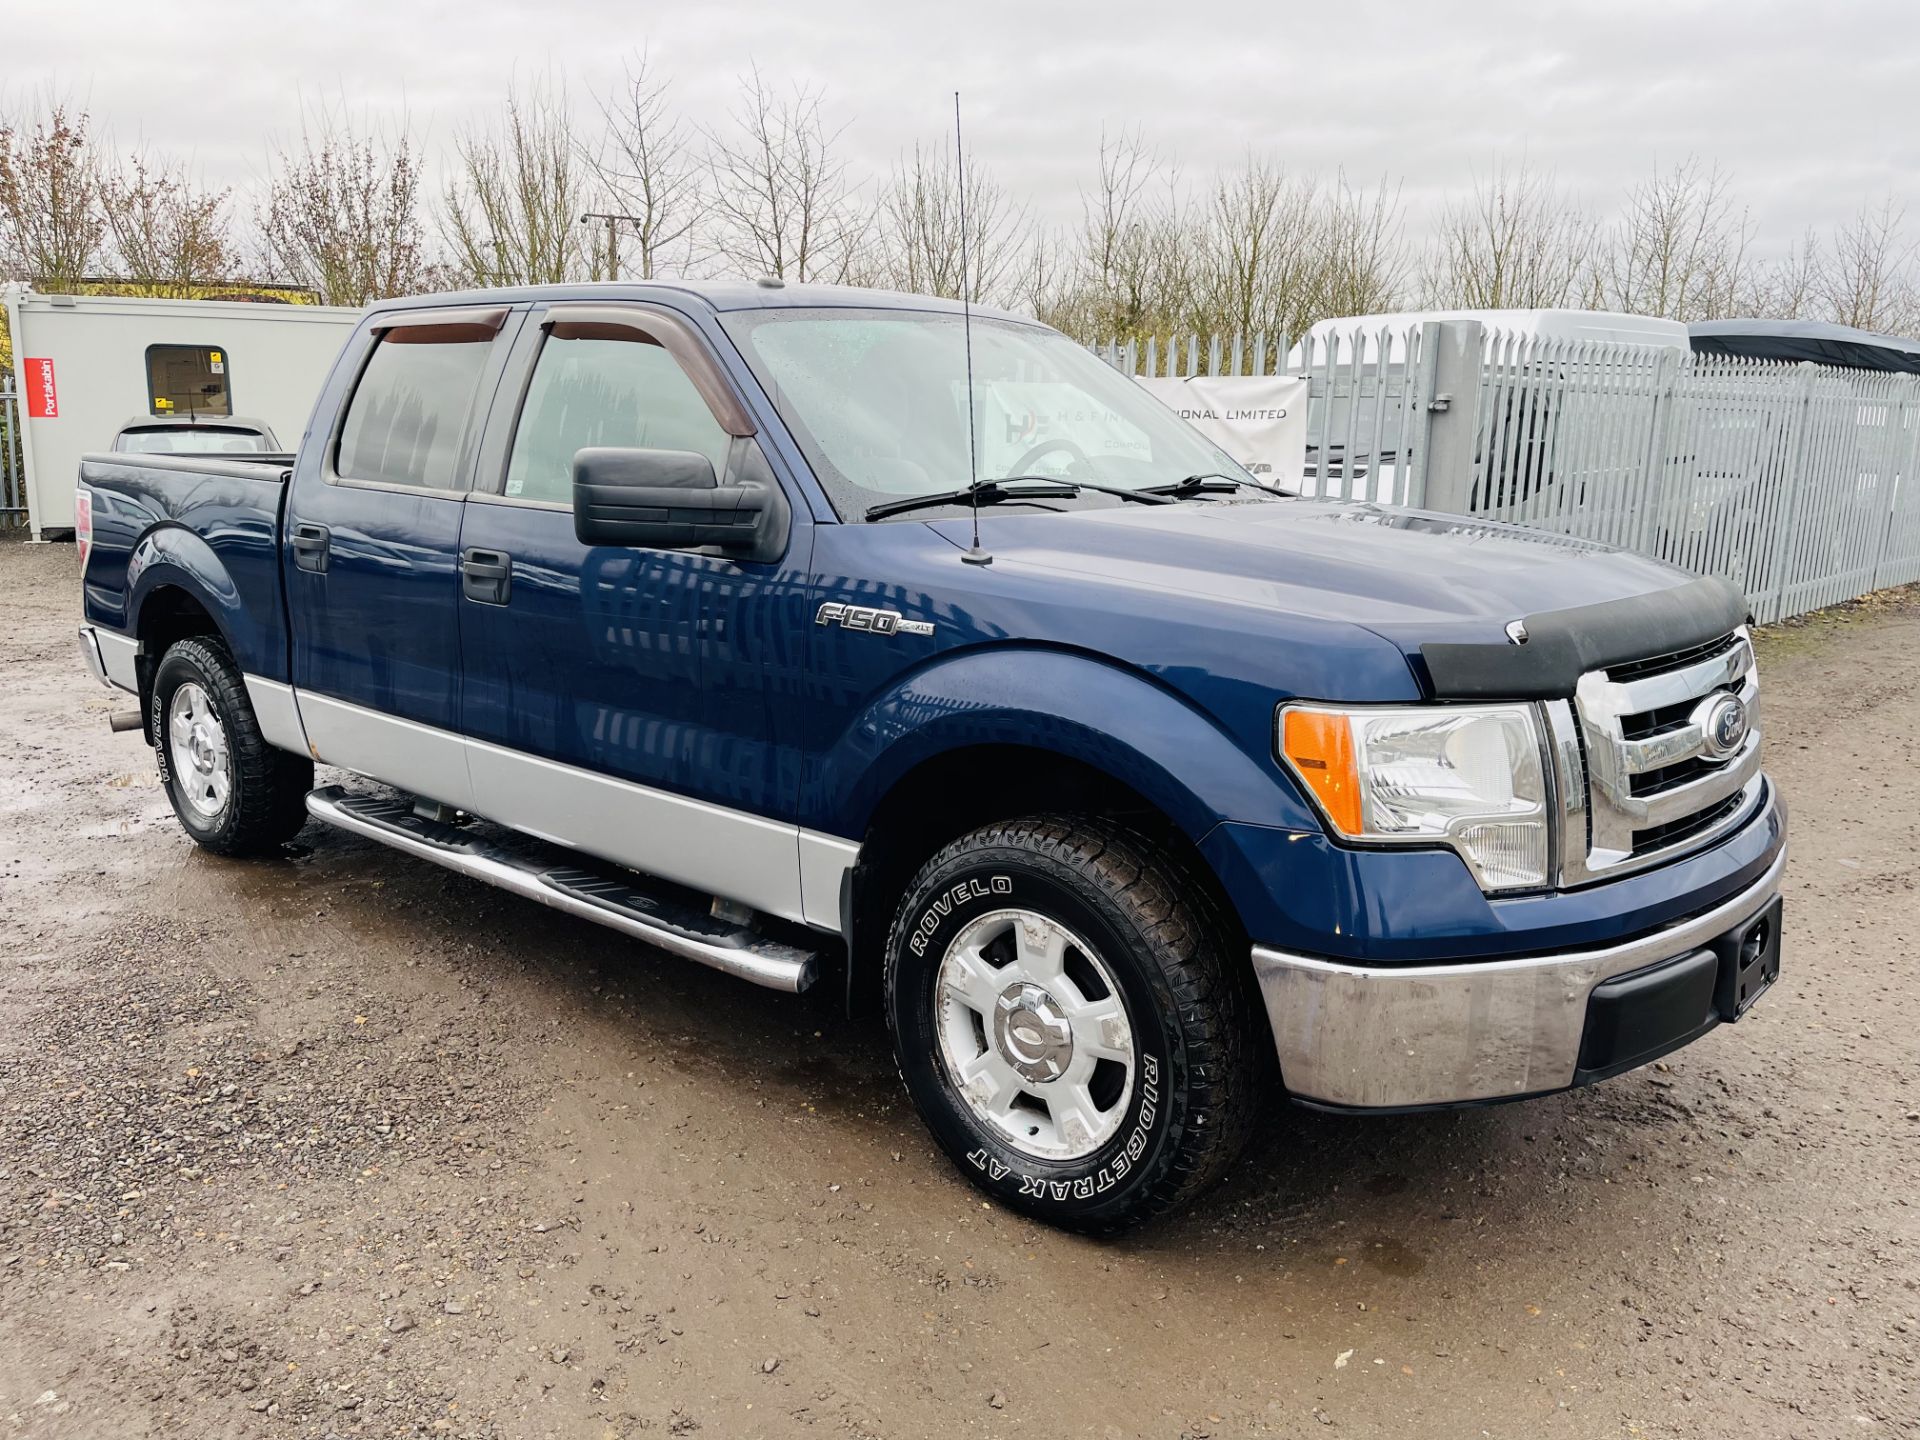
[[1808, 104]]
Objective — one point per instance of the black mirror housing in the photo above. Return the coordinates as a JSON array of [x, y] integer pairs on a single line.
[[670, 500]]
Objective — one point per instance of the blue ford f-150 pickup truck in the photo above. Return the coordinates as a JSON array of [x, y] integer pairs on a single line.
[[1164, 794]]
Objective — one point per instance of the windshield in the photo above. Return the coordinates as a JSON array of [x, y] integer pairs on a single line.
[[877, 399], [198, 440]]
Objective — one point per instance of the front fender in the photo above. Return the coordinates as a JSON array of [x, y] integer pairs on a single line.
[[1119, 721]]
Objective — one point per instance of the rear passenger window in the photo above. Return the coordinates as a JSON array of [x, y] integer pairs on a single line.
[[408, 416], [626, 393]]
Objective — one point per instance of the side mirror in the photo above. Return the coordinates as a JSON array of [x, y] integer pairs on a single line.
[[667, 500]]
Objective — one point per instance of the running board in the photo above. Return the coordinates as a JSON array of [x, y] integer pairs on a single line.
[[616, 901]]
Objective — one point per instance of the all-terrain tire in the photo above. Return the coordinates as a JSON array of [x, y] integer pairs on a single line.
[[264, 804], [1196, 1076]]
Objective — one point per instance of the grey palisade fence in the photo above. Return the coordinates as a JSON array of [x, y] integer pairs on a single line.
[[13, 473], [1799, 482]]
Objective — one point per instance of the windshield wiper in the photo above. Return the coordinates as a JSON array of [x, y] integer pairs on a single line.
[[1208, 485], [980, 492], [1001, 491]]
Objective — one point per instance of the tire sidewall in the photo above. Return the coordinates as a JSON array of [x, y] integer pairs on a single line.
[[941, 905], [181, 664]]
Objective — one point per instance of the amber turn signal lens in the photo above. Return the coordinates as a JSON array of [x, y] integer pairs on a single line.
[[1320, 749]]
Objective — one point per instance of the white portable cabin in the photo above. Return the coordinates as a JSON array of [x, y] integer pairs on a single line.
[[86, 364]]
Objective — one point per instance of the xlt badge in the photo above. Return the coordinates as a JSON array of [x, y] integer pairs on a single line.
[[873, 622]]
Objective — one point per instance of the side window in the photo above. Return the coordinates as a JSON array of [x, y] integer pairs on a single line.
[[585, 393], [408, 415], [188, 380]]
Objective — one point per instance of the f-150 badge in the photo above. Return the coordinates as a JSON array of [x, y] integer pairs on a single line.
[[873, 622]]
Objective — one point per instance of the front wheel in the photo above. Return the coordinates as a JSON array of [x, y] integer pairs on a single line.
[[232, 791], [1068, 1022]]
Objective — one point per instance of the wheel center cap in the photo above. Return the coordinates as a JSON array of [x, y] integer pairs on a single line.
[[1031, 1032]]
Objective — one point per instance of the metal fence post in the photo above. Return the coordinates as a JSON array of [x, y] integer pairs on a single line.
[[1895, 476], [1666, 375], [1452, 360], [1794, 479]]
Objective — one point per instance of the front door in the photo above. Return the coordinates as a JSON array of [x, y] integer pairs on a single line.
[[593, 699], [372, 537]]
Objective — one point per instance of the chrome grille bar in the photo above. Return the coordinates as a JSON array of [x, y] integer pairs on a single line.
[[1602, 837]]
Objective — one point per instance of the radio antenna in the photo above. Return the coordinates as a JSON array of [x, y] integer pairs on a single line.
[[975, 556]]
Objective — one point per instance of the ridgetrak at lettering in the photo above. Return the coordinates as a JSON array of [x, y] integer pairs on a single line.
[[830, 636]]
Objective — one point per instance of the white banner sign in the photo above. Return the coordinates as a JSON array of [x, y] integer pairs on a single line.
[[1260, 420]]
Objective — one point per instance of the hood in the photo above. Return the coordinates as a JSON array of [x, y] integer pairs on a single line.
[[1445, 584]]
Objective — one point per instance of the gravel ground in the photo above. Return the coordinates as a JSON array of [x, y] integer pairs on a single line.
[[342, 1145]]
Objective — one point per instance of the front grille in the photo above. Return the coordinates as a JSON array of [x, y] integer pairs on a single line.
[[1652, 783], [1675, 660], [1677, 832], [1656, 782]]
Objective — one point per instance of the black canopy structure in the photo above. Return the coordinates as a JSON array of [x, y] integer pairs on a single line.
[[1796, 340]]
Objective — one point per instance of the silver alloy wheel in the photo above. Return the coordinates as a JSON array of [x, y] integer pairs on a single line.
[[197, 746], [1042, 1062]]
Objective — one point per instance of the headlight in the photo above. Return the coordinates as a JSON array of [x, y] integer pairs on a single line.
[[1465, 776]]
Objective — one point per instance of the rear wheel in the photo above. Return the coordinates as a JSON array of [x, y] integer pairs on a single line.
[[232, 791], [1068, 1022]]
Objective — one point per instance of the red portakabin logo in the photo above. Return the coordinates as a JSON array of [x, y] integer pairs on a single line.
[[43, 399]]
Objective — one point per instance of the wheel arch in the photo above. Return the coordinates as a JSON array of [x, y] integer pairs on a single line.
[[178, 586], [955, 791], [1000, 732], [168, 611]]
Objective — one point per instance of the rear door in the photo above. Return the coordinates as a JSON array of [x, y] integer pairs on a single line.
[[373, 534], [611, 699]]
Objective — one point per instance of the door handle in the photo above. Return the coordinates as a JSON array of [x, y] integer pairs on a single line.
[[312, 547], [486, 576]]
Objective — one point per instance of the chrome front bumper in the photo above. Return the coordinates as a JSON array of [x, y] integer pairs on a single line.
[[1393, 1037]]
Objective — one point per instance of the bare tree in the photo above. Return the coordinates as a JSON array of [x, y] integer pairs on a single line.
[[921, 230], [1516, 242], [510, 214], [1363, 264], [168, 235], [1134, 272], [647, 165], [1791, 287], [1680, 250], [342, 213], [1256, 248], [782, 203], [1868, 280], [51, 226], [1047, 276]]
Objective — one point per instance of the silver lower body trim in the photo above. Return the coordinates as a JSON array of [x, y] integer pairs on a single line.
[[277, 712], [769, 865], [778, 967], [111, 659], [1396, 1036], [419, 759], [825, 862], [90, 653]]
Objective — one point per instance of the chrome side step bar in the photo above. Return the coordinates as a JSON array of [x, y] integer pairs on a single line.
[[615, 901]]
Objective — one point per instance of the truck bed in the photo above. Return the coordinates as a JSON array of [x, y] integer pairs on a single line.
[[203, 528]]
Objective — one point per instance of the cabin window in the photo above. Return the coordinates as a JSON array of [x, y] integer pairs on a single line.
[[185, 380]]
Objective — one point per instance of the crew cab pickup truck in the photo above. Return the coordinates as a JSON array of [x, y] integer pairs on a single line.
[[807, 631]]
